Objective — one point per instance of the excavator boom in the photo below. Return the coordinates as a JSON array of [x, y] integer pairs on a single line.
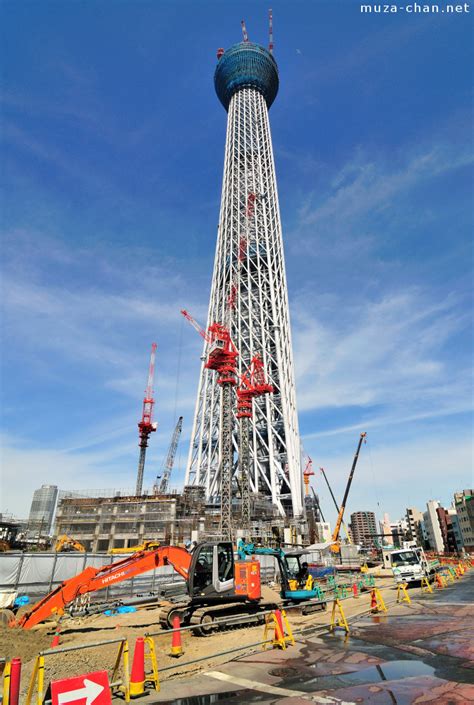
[[93, 579]]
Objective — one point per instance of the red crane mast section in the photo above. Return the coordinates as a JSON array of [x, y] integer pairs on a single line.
[[146, 425]]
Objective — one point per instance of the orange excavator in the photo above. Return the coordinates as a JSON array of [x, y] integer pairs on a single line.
[[217, 587]]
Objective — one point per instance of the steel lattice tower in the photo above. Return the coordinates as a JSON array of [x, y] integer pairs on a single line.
[[249, 291]]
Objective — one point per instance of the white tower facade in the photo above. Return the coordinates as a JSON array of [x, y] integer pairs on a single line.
[[249, 291]]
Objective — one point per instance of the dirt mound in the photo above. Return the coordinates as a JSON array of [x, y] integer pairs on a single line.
[[23, 643]]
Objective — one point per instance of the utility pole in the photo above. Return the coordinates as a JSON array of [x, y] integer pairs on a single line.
[[146, 425]]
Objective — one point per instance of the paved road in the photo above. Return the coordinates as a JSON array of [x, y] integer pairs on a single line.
[[418, 653]]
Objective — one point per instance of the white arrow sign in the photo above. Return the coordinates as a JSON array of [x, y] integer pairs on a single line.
[[90, 692]]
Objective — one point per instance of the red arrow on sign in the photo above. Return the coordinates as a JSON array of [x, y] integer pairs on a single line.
[[88, 689]]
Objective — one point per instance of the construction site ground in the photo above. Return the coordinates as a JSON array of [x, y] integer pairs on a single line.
[[417, 653]]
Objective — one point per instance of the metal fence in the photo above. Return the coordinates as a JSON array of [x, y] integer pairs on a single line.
[[36, 574]]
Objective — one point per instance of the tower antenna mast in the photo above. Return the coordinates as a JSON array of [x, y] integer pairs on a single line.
[[146, 425], [244, 31], [270, 31]]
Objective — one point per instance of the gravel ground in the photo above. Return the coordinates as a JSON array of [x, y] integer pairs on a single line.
[[27, 644]]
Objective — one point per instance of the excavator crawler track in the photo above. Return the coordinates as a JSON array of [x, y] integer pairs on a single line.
[[216, 617], [221, 617], [182, 609]]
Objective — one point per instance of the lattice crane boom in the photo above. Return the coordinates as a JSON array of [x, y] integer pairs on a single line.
[[164, 484]]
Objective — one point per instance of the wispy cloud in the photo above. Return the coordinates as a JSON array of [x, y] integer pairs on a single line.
[[363, 186], [388, 352]]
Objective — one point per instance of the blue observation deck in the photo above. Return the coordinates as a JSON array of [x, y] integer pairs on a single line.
[[246, 65]]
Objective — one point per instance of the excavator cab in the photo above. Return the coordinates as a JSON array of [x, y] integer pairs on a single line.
[[296, 582], [211, 574]]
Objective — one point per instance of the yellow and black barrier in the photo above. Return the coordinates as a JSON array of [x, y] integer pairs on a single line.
[[338, 618], [402, 594], [425, 585], [277, 622]]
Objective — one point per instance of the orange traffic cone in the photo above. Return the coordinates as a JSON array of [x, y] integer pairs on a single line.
[[55, 642], [176, 648], [354, 590], [439, 581], [137, 677], [373, 602]]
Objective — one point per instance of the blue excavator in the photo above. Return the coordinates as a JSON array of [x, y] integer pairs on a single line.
[[297, 585]]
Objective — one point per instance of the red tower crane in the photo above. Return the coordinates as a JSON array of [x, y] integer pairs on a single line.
[[222, 357], [252, 384], [308, 471], [146, 425]]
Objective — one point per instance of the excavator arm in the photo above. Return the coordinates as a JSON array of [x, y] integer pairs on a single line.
[[93, 579]]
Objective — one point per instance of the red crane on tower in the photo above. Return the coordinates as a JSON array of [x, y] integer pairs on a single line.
[[222, 358], [146, 425]]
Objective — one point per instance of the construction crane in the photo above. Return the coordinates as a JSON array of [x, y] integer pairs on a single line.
[[308, 471], [336, 547], [163, 487], [146, 425], [222, 358], [252, 384], [316, 500], [335, 504], [68, 543], [148, 545]]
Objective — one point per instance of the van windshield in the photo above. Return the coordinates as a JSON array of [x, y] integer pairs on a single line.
[[406, 558]]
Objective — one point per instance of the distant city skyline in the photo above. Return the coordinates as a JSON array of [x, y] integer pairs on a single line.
[[112, 153]]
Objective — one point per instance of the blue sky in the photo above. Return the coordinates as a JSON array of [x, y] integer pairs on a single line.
[[113, 143]]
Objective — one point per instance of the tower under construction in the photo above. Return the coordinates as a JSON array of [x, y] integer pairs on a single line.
[[249, 290]]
